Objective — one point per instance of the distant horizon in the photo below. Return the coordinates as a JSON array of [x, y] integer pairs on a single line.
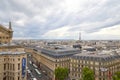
[[66, 39]]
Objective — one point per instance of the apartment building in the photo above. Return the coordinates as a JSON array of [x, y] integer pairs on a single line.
[[103, 65], [49, 58]]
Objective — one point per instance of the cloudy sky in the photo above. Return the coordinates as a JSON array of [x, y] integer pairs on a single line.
[[62, 19]]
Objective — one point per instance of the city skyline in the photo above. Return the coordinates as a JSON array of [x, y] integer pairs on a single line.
[[64, 19]]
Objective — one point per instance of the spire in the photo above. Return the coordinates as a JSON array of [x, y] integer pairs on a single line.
[[79, 36], [10, 27]]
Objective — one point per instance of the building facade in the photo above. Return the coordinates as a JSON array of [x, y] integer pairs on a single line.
[[103, 65], [13, 59], [5, 34], [49, 59]]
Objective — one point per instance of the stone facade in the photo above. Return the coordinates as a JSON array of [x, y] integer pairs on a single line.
[[5, 34], [11, 62], [48, 61], [104, 66], [12, 57]]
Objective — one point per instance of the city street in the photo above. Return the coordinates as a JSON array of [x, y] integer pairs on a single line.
[[33, 72]]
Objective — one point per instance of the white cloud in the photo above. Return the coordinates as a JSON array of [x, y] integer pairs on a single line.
[[104, 34], [61, 33], [114, 30], [20, 22]]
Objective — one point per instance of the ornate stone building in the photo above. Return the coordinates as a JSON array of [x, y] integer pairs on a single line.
[[6, 34], [13, 59]]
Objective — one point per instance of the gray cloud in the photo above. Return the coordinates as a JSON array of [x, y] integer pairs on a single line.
[[35, 18]]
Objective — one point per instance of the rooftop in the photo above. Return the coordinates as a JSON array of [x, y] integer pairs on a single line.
[[97, 56], [8, 52], [58, 52], [8, 47]]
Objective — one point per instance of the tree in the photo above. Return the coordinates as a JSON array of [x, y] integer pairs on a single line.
[[116, 76], [87, 74], [61, 73]]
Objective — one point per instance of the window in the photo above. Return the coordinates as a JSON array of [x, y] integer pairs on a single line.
[[18, 59], [96, 63], [4, 73], [8, 66], [6, 37], [4, 66], [55, 65], [13, 67], [4, 78], [18, 78], [18, 66]]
